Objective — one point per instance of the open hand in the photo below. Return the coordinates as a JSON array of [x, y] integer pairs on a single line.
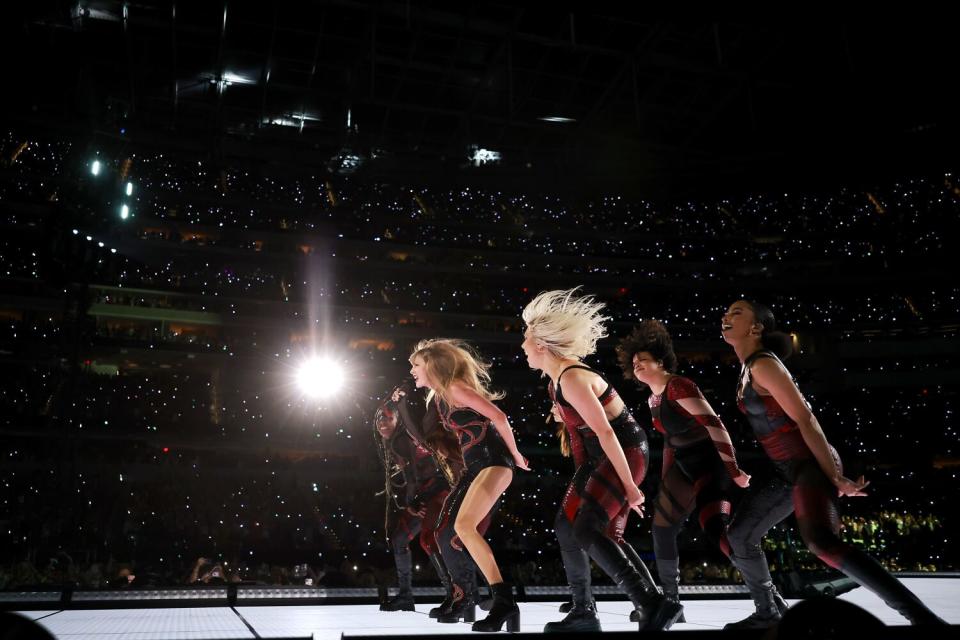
[[635, 499], [851, 488]]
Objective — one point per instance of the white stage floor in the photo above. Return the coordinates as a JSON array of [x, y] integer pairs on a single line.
[[328, 622]]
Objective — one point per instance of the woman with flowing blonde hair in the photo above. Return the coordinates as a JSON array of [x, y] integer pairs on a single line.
[[611, 454], [459, 381]]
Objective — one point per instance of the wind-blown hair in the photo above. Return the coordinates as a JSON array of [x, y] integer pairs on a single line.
[[650, 336], [568, 325]]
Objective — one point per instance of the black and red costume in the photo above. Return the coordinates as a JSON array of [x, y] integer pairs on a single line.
[[425, 487], [699, 465], [799, 486], [422, 485], [594, 510], [481, 446]]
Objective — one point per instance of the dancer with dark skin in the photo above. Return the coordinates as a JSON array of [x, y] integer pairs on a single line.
[[809, 476], [418, 485], [699, 461], [562, 328]]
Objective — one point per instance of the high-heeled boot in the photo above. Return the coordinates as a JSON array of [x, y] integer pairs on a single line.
[[504, 610]]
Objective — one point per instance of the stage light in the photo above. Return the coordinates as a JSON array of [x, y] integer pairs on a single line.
[[320, 377], [479, 156], [129, 189], [559, 119], [95, 168], [124, 212]]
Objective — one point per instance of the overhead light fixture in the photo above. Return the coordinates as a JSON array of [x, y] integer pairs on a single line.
[[234, 78], [479, 156], [556, 119]]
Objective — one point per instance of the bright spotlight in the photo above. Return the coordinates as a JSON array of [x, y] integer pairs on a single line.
[[95, 168], [320, 377], [124, 212], [129, 188]]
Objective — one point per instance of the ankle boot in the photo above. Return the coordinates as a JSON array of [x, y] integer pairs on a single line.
[[485, 603], [770, 606], [504, 609], [581, 615], [445, 581], [767, 612]]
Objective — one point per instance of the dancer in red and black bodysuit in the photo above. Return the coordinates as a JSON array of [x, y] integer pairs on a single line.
[[458, 380], [809, 475], [699, 462], [611, 453], [417, 484], [586, 619]]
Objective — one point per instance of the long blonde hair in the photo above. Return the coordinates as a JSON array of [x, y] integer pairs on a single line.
[[448, 361], [568, 325]]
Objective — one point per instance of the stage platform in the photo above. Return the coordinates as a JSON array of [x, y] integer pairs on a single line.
[[333, 621]]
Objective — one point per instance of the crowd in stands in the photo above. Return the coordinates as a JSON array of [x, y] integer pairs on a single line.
[[143, 473]]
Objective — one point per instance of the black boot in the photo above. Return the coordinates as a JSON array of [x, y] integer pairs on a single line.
[[485, 603], [653, 610], [568, 605], [464, 602], [669, 574], [576, 566], [441, 570], [641, 567], [504, 609], [403, 601], [766, 599], [581, 616], [871, 574], [767, 612]]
